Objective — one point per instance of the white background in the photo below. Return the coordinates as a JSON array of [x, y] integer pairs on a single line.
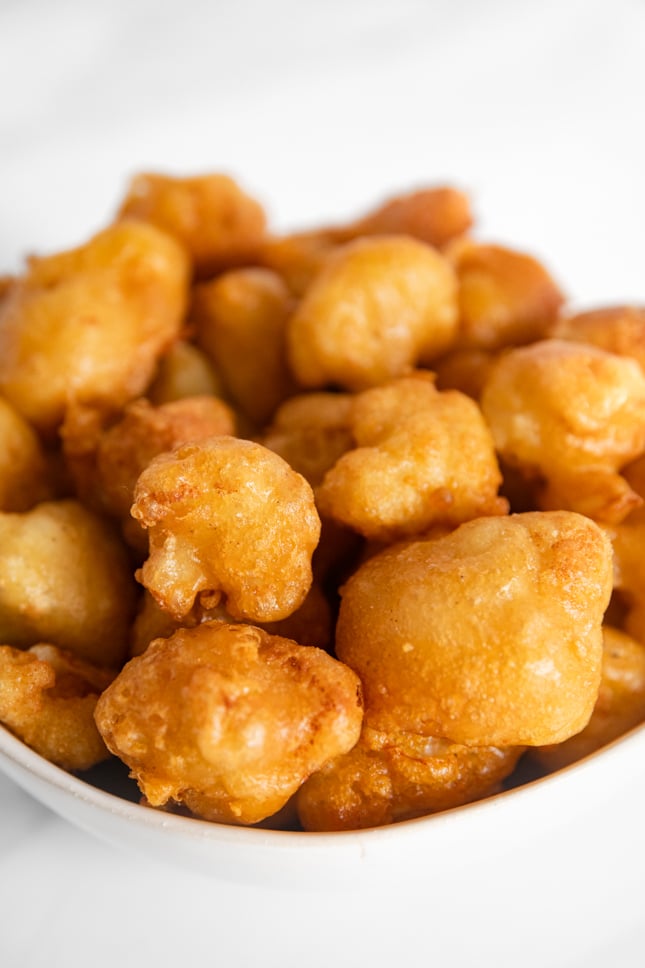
[[322, 109]]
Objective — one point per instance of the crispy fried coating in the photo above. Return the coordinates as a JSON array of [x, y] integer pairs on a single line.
[[227, 517], [184, 370], [377, 307], [617, 329], [211, 215], [311, 431], [89, 324], [422, 458], [66, 579], [229, 720], [506, 298], [490, 636], [23, 463], [240, 320], [388, 777], [47, 699], [571, 415], [619, 707]]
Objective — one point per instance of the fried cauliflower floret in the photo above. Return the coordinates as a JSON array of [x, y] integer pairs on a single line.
[[23, 463], [229, 720], [506, 298], [240, 320], [571, 415], [378, 306], [422, 458], [388, 777], [184, 370], [89, 324], [311, 431], [617, 329], [490, 636], [65, 579], [227, 517], [217, 222], [628, 541], [47, 699], [619, 707]]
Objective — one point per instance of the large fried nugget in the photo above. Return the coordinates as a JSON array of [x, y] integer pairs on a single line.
[[490, 636], [227, 517], [211, 215], [47, 699], [66, 579], [422, 458], [376, 308], [570, 416], [617, 329], [389, 777], [229, 720], [90, 324]]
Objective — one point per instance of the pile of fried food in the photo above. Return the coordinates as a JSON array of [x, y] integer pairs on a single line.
[[325, 530]]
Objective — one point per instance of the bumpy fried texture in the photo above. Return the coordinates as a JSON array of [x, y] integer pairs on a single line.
[[490, 636], [572, 415], [227, 517], [506, 298], [66, 579], [217, 222], [388, 777], [229, 720], [377, 307], [184, 371], [47, 699], [23, 464], [422, 458], [240, 320], [311, 431], [620, 704], [617, 329], [90, 324]]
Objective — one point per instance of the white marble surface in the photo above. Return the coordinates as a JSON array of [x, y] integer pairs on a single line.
[[322, 109]]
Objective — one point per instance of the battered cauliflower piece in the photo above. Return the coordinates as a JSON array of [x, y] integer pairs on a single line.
[[211, 215], [227, 517], [184, 370], [569, 415], [89, 324], [23, 463], [490, 636], [628, 540], [229, 720], [619, 707], [422, 458], [617, 329], [65, 579], [240, 320], [388, 777], [506, 298], [47, 699], [378, 306], [311, 431]]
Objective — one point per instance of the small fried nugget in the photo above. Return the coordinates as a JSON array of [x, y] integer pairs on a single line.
[[506, 298], [228, 719], [571, 415], [211, 215], [47, 699], [617, 329], [422, 458], [227, 517], [311, 431], [184, 370], [628, 541], [619, 707], [23, 463], [490, 636], [66, 579], [89, 324], [240, 320], [389, 777], [377, 307]]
